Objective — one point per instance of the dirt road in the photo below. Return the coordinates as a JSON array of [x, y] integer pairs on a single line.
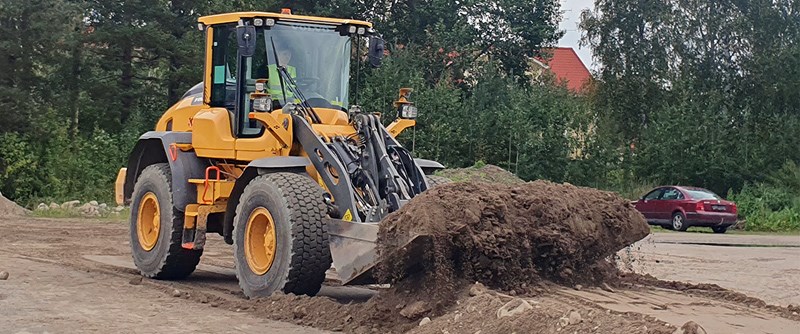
[[763, 266], [75, 275]]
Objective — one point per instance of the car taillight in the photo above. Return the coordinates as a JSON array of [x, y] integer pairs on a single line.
[[735, 209], [699, 206]]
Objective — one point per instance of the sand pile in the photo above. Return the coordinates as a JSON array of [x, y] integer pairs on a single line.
[[9, 208], [487, 173]]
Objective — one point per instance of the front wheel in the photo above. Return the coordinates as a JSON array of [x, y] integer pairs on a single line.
[[719, 229], [156, 228], [679, 222], [280, 242]]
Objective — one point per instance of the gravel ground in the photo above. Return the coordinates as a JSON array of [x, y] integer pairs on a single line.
[[762, 266], [74, 275]]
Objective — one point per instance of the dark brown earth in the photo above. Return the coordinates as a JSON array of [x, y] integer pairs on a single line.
[[510, 237]]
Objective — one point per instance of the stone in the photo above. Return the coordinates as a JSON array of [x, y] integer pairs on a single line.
[[606, 287], [578, 287], [119, 208], [93, 203], [415, 310], [574, 318], [53, 205], [42, 207], [514, 307], [457, 317], [176, 293], [70, 204], [299, 312], [477, 289], [103, 206], [691, 327], [424, 321], [563, 322], [3, 275]]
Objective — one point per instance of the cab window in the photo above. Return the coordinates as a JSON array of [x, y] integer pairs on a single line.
[[223, 67]]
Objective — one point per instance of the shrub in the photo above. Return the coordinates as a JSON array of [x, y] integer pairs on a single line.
[[787, 219]]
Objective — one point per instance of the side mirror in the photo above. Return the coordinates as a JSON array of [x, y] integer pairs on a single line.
[[246, 38], [376, 48]]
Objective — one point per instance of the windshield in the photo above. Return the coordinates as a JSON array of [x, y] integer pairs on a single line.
[[702, 194], [316, 58]]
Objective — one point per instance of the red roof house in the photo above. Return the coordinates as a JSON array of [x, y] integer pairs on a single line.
[[566, 66]]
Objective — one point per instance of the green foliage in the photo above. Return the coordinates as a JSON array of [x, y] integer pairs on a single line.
[[773, 205], [774, 221]]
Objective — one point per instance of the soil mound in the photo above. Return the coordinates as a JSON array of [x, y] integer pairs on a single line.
[[9, 208], [487, 173], [508, 237]]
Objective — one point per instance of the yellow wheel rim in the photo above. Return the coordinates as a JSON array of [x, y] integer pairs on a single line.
[[260, 241], [148, 222]]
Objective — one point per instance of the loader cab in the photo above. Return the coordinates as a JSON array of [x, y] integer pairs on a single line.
[[245, 50]]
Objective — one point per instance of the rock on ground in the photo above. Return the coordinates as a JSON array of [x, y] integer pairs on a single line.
[[9, 208]]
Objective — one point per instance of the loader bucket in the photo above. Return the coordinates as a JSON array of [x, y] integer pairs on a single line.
[[355, 254]]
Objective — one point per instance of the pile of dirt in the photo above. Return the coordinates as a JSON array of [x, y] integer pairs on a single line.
[[508, 237], [487, 173], [9, 208]]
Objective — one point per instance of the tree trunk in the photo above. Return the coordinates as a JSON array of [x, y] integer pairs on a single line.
[[75, 84], [126, 83]]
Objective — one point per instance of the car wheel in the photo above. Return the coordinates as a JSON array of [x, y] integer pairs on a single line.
[[679, 222], [719, 229]]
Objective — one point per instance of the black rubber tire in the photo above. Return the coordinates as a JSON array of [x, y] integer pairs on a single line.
[[434, 180], [719, 229], [683, 226], [302, 255], [167, 260]]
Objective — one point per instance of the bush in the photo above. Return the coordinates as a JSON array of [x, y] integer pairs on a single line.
[[784, 220], [761, 197], [773, 206]]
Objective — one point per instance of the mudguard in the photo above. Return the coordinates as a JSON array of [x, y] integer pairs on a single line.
[[279, 163], [428, 166], [154, 147]]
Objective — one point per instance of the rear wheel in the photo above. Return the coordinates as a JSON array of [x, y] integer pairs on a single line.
[[280, 242], [156, 228], [719, 229], [679, 222]]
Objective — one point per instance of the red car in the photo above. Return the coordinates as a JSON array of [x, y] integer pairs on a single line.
[[678, 208]]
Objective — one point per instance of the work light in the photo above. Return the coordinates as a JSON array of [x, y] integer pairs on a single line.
[[408, 111]]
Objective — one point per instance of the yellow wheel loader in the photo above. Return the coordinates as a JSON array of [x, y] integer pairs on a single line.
[[269, 152]]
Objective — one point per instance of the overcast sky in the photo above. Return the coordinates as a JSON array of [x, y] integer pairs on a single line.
[[572, 15]]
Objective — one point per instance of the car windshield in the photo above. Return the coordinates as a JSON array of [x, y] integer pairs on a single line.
[[316, 57], [702, 194]]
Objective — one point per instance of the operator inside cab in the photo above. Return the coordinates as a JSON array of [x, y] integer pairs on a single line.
[[274, 82]]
